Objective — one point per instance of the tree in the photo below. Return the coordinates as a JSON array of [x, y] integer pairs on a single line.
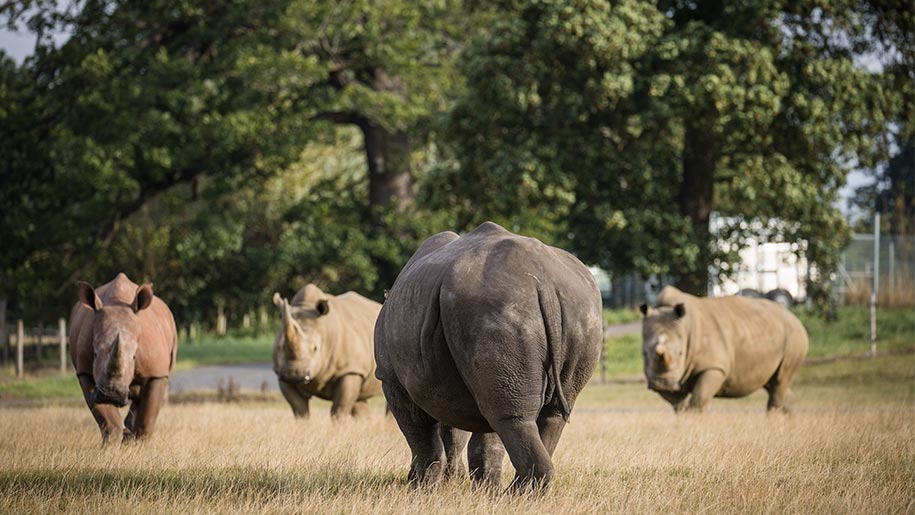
[[142, 97], [150, 97], [635, 121]]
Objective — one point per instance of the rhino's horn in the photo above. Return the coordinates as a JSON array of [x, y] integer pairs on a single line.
[[114, 359], [292, 335]]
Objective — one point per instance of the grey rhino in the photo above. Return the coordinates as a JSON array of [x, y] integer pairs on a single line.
[[491, 333], [324, 349], [720, 347], [123, 343]]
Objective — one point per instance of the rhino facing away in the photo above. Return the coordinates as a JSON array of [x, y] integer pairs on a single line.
[[720, 347], [324, 349], [123, 343], [491, 333]]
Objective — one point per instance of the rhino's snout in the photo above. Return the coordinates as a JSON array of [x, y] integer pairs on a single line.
[[664, 385], [109, 396]]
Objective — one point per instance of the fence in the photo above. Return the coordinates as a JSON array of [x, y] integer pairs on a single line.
[[39, 345], [895, 270]]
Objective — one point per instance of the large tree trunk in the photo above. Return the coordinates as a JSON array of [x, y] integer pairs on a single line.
[[695, 202], [390, 176], [390, 190]]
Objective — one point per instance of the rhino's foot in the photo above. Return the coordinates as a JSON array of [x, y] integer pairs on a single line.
[[485, 455], [423, 473]]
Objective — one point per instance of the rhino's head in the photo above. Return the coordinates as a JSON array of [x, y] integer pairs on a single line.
[[299, 342], [115, 338], [664, 342]]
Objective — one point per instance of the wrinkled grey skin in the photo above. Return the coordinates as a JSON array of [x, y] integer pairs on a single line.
[[695, 348], [472, 337], [323, 349]]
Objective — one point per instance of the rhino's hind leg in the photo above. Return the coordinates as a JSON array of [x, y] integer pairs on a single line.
[[421, 432], [295, 398], [485, 455], [148, 405], [779, 392], [550, 424], [533, 466], [454, 441]]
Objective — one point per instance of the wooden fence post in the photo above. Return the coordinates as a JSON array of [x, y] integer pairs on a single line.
[[220, 320], [40, 342], [20, 336], [62, 333]]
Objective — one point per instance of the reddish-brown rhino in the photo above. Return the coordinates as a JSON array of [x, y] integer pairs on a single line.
[[123, 343]]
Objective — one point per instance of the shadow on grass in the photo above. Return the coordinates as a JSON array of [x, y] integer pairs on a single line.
[[237, 483]]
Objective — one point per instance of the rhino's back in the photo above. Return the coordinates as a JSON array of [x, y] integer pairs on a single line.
[[464, 323], [749, 338]]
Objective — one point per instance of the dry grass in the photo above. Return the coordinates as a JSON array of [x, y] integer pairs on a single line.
[[845, 449], [902, 294]]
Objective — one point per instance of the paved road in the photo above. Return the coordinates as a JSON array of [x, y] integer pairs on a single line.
[[252, 376]]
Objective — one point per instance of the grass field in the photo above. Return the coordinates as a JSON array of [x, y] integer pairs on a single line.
[[848, 447]]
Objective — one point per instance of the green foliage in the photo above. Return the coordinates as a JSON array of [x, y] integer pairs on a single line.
[[621, 316], [228, 350], [604, 120]]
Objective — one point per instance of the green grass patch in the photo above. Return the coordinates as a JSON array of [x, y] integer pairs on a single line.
[[850, 332], [226, 350], [51, 386], [621, 316]]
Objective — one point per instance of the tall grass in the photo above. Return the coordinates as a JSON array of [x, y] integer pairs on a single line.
[[843, 450], [902, 293]]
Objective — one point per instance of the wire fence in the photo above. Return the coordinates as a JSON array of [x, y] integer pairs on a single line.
[[895, 268]]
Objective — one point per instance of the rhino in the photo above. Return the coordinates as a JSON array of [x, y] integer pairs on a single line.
[[123, 343], [720, 347], [324, 349], [489, 333]]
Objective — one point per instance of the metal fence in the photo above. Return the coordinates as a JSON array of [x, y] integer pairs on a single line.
[[895, 269]]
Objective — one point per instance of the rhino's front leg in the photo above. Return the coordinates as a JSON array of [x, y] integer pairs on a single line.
[[485, 455], [107, 416], [295, 398], [148, 405], [707, 385], [678, 400], [345, 395], [454, 441]]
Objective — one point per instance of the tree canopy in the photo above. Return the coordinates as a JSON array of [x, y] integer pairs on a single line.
[[230, 150], [629, 123]]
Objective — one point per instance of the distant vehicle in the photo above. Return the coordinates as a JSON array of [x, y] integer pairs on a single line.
[[771, 270]]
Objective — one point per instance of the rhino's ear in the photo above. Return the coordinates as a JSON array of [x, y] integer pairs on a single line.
[[680, 310], [278, 300], [644, 309], [88, 298], [143, 298], [323, 307]]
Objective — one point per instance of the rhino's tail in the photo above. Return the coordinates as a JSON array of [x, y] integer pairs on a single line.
[[552, 320]]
